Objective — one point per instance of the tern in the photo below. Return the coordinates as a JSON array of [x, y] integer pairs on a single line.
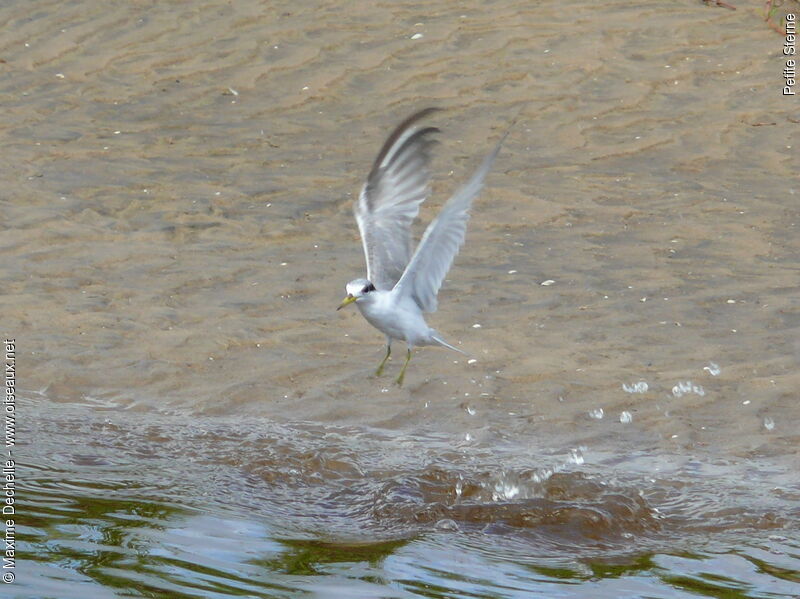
[[401, 286]]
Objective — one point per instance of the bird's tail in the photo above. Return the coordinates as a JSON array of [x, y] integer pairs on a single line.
[[439, 341]]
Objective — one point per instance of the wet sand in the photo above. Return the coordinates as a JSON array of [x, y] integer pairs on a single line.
[[178, 187]]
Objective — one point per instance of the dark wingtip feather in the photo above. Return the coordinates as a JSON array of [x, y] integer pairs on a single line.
[[399, 130]]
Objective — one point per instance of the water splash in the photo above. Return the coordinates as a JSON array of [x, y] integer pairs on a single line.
[[596, 413], [505, 489], [576, 456], [640, 387], [542, 475], [712, 369], [686, 387]]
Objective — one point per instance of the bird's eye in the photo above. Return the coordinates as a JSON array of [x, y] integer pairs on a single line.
[[368, 288]]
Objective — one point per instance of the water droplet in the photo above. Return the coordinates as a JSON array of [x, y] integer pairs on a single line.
[[548, 282], [625, 417], [769, 423], [446, 524], [596, 413], [470, 410]]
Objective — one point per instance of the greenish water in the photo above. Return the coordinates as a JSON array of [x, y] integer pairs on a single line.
[[77, 545], [152, 509]]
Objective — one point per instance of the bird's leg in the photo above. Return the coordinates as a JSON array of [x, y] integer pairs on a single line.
[[388, 353], [403, 370]]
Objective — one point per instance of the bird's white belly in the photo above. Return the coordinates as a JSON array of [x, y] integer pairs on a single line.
[[397, 321]]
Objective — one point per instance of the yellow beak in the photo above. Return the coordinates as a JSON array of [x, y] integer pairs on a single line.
[[348, 300]]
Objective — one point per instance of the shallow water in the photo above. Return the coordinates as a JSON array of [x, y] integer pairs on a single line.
[[156, 506], [194, 418]]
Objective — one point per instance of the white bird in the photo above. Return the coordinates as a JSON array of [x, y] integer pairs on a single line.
[[400, 286]]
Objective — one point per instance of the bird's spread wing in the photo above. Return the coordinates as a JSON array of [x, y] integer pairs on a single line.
[[442, 239], [390, 199]]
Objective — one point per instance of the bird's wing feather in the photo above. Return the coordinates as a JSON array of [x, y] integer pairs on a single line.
[[442, 239], [390, 200]]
